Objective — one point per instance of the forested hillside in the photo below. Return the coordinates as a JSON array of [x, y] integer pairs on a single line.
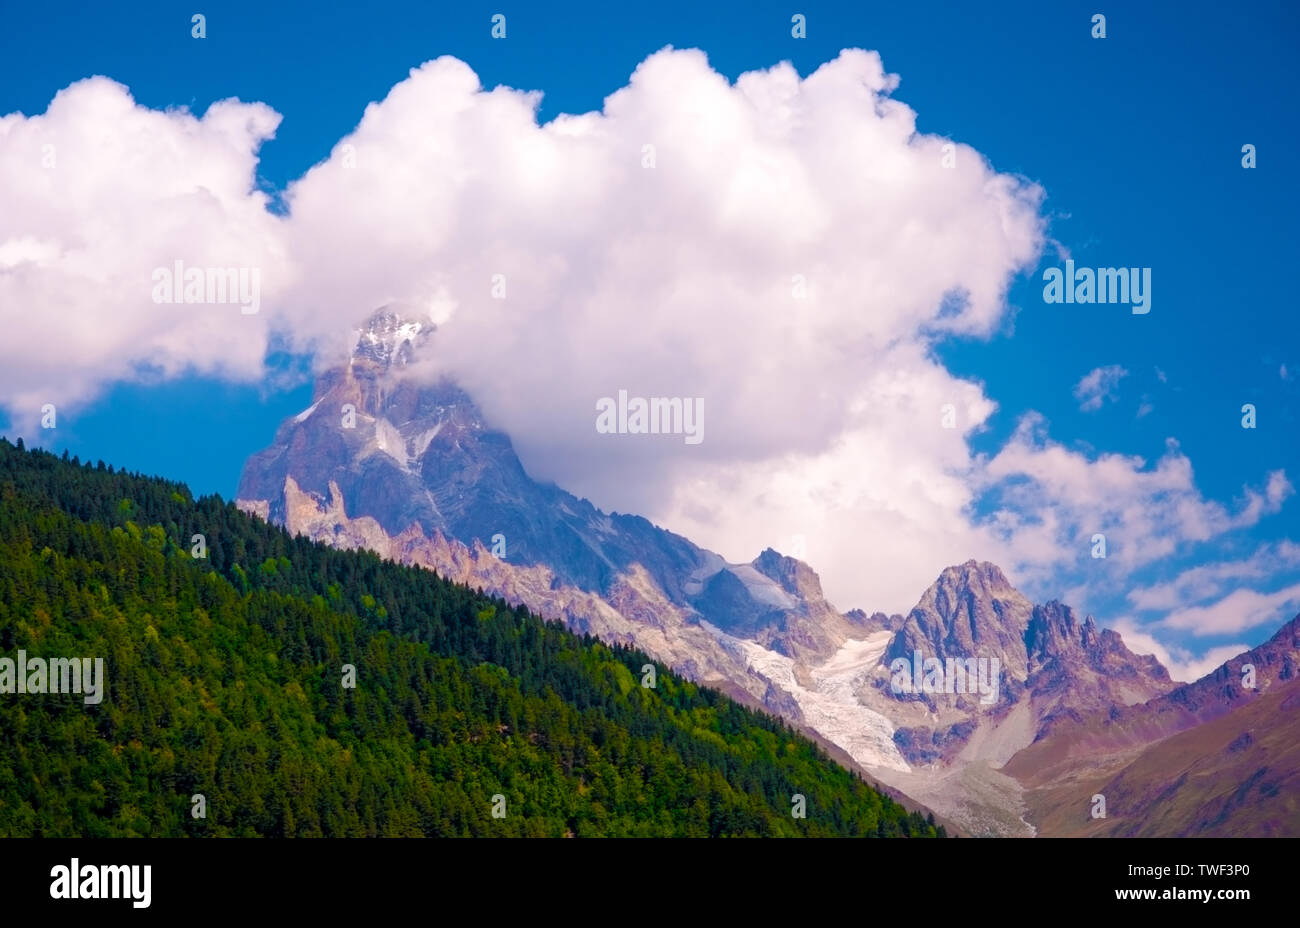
[[225, 678]]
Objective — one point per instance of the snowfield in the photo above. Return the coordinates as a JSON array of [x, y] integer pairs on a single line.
[[831, 709]]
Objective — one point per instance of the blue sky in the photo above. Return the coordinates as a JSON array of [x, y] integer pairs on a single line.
[[1135, 139]]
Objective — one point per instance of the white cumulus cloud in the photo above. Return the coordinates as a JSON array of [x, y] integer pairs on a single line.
[[99, 191], [788, 249]]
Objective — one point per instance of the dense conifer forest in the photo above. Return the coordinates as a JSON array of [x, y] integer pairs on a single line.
[[224, 677]]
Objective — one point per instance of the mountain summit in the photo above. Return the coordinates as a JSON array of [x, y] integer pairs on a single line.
[[971, 609], [379, 442]]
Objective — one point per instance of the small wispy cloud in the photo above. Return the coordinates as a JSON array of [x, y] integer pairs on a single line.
[[1240, 610], [1099, 386], [1208, 581], [1183, 665]]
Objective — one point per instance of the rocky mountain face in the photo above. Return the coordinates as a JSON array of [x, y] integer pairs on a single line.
[[1237, 682], [1033, 665], [379, 441], [1077, 668], [391, 458], [969, 610], [405, 453], [1216, 757], [1046, 661]]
